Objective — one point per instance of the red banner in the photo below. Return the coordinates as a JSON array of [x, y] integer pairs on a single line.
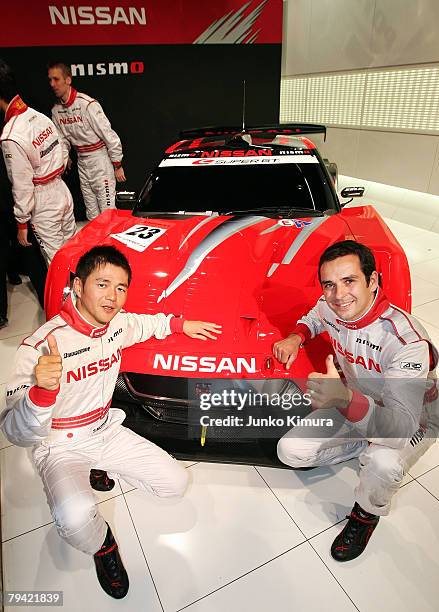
[[130, 22]]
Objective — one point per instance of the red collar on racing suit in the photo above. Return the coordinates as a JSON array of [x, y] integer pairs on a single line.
[[16, 107], [379, 305], [73, 317], [72, 97]]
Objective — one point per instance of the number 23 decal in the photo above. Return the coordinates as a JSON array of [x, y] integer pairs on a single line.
[[144, 232], [139, 237]]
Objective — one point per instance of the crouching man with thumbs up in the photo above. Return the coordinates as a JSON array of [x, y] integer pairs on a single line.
[[384, 410], [58, 401]]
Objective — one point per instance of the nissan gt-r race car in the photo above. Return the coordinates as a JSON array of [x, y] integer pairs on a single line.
[[228, 228]]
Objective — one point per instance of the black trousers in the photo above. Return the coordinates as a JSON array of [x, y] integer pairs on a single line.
[[19, 260]]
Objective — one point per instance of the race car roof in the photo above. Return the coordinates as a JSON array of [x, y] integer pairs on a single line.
[[286, 135], [243, 141], [292, 129]]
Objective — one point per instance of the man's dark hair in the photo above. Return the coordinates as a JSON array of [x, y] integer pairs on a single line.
[[8, 86], [350, 247], [65, 68], [100, 256]]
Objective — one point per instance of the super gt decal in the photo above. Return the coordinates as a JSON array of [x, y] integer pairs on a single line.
[[233, 161]]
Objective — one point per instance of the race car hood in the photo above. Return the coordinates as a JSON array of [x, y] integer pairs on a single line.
[[252, 274], [218, 265]]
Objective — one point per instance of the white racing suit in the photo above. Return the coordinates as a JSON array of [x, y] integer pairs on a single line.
[[73, 429], [388, 362], [82, 123], [34, 162]]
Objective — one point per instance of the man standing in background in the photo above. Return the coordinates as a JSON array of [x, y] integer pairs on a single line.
[[82, 123], [34, 163]]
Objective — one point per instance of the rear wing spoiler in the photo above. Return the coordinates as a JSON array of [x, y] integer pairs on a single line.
[[289, 129]]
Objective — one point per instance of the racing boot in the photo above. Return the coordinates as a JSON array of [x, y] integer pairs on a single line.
[[110, 571], [99, 480], [351, 542]]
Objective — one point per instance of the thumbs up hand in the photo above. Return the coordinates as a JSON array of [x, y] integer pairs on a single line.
[[328, 390], [48, 370], [331, 370]]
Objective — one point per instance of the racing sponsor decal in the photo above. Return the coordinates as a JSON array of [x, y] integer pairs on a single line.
[[409, 365], [107, 68], [99, 15], [371, 345], [195, 363], [94, 367], [237, 153], [95, 429], [297, 150], [45, 152], [131, 22], [38, 237], [10, 392], [139, 237], [233, 161], [78, 352], [297, 223], [113, 336], [331, 324], [298, 241], [69, 120], [417, 437], [38, 141], [229, 228], [107, 192], [365, 362], [256, 152]]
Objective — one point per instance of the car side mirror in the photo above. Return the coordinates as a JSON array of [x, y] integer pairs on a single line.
[[352, 192], [125, 200]]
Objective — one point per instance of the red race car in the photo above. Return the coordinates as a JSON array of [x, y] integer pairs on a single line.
[[228, 228]]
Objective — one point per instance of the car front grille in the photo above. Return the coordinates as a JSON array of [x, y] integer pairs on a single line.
[[147, 391], [171, 400]]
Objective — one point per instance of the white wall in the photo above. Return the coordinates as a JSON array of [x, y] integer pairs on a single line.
[[325, 36], [332, 35], [404, 160]]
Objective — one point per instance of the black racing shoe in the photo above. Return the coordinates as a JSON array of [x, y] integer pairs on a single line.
[[351, 542], [110, 571], [99, 480]]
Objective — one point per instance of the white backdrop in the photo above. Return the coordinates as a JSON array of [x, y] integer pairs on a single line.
[[325, 36]]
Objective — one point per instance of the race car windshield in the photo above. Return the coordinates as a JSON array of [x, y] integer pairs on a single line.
[[225, 188]]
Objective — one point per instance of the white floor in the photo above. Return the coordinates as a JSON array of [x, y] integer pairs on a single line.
[[243, 538]]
